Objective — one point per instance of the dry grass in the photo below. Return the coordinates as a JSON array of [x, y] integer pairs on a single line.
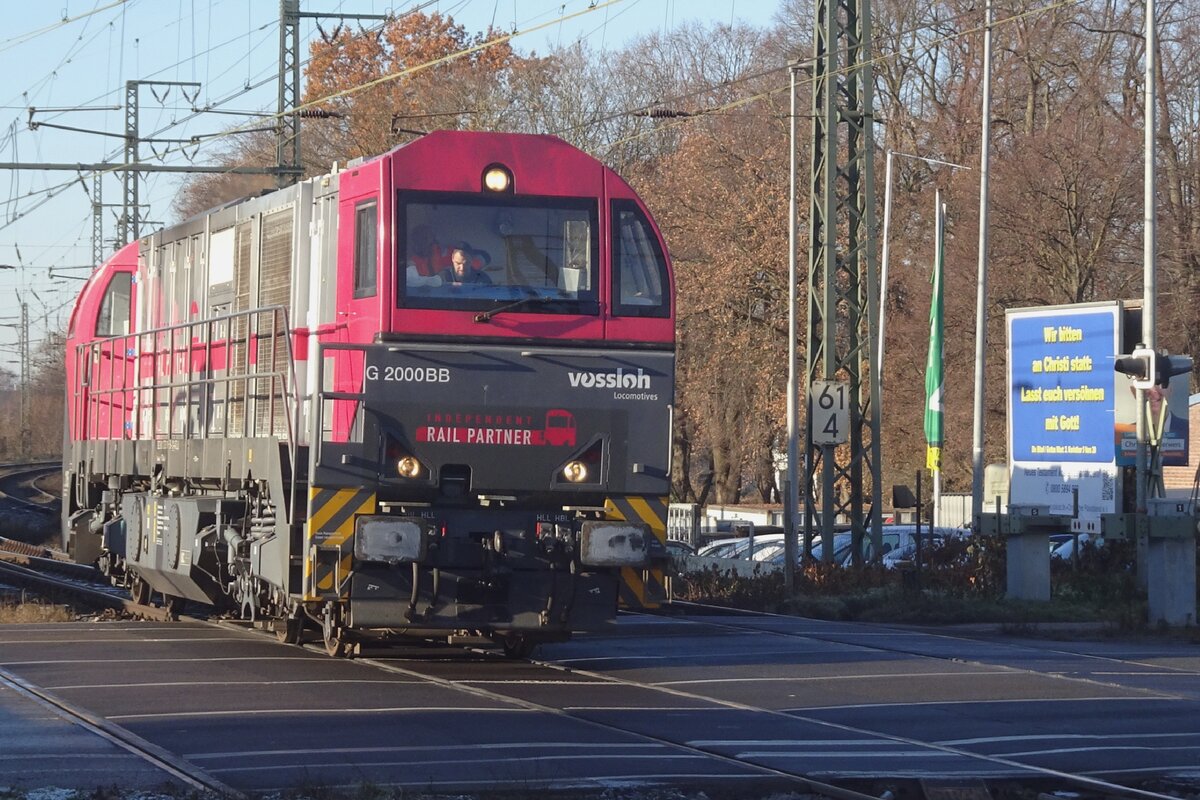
[[25, 613]]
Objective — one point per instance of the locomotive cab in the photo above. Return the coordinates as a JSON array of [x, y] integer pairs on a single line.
[[104, 309]]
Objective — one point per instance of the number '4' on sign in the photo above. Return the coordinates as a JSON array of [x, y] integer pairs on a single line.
[[829, 411]]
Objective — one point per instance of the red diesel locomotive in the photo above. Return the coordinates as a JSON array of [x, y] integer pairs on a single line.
[[427, 394]]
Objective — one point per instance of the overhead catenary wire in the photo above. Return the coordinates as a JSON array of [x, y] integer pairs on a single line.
[[24, 37], [738, 103], [384, 79], [724, 108], [54, 191]]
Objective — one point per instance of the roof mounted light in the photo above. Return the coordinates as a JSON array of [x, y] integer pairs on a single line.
[[497, 178]]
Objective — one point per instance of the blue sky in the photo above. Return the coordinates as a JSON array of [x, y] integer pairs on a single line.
[[70, 55]]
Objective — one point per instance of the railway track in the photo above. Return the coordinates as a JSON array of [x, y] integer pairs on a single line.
[[62, 580], [19, 486], [1020, 771], [1075, 782], [948, 635], [1079, 785], [172, 765]]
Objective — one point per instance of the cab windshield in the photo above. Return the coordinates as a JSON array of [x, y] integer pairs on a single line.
[[473, 252]]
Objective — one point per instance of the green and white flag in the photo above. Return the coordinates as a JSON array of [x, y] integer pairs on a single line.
[[933, 366]]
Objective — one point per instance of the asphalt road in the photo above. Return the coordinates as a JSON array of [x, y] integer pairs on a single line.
[[690, 701]]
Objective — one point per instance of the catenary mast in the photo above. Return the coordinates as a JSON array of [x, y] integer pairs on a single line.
[[843, 293]]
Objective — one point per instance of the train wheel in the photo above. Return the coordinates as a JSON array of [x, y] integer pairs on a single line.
[[289, 627], [336, 643], [139, 590], [517, 645], [173, 604]]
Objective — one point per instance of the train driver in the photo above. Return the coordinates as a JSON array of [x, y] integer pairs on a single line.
[[460, 274]]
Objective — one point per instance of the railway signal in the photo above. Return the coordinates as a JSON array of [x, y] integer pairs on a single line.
[[1149, 368]]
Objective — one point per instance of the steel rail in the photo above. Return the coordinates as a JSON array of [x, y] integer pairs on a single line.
[[829, 790], [1110, 789], [813, 785], [1113, 789], [733, 612], [83, 572], [164, 760], [15, 569], [816, 787], [17, 473]]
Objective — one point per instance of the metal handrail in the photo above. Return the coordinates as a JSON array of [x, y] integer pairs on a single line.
[[131, 350], [321, 394]]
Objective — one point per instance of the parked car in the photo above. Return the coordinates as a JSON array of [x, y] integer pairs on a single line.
[[721, 547], [1066, 549], [1058, 538], [765, 536], [895, 537], [678, 548]]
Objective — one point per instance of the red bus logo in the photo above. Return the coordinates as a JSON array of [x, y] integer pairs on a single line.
[[560, 428]]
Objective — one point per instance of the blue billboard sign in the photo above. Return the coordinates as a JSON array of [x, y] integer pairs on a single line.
[[1061, 384]]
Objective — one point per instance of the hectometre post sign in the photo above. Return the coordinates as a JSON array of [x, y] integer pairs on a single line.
[[829, 410]]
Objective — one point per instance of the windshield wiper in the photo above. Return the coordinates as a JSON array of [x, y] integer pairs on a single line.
[[486, 316]]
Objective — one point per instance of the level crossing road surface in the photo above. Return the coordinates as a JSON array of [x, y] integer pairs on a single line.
[[687, 700], [40, 746]]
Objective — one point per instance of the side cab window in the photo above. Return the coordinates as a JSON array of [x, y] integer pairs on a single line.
[[113, 317], [366, 252], [639, 267]]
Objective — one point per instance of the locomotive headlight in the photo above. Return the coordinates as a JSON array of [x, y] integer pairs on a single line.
[[497, 178], [575, 471], [408, 467]]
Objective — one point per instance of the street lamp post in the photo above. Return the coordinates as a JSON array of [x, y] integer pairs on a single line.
[[981, 315], [791, 500]]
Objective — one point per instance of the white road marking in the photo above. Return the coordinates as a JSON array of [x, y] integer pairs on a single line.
[[440, 748], [906, 704], [623, 782], [214, 659], [338, 681], [874, 754], [1058, 737], [826, 678], [453, 761], [795, 743], [244, 712], [530, 683], [1110, 748]]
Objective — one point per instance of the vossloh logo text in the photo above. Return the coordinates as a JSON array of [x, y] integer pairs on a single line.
[[620, 379]]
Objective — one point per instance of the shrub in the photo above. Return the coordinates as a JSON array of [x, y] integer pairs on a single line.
[[960, 580]]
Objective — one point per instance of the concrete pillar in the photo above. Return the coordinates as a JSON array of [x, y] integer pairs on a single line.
[[1029, 566], [1171, 580]]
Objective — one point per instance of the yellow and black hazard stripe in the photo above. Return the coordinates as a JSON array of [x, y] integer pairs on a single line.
[[641, 588], [330, 537]]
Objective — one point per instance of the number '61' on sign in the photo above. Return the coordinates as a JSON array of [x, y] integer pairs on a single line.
[[829, 411]]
